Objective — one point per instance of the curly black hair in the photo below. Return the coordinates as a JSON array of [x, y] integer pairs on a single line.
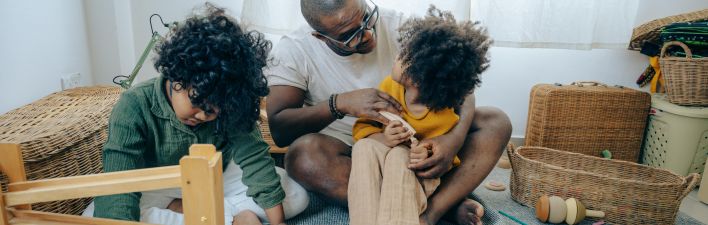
[[221, 64], [443, 58]]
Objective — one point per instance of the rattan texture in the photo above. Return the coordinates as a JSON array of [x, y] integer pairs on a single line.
[[587, 118], [649, 32], [628, 193], [686, 77], [61, 135], [265, 131]]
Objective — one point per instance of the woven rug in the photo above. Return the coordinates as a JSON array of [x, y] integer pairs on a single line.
[[320, 212]]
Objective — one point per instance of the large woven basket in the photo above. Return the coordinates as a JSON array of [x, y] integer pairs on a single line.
[[686, 78], [61, 135], [649, 32], [588, 117], [628, 193]]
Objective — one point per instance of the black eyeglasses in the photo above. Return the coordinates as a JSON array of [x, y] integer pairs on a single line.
[[367, 24]]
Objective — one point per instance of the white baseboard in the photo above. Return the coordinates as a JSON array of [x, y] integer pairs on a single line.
[[517, 140]]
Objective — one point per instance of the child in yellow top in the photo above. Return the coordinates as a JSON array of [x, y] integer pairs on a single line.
[[439, 65]]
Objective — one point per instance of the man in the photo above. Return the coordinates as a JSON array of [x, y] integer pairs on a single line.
[[327, 70]]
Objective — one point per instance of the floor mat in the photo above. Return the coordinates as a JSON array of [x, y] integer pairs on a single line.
[[320, 212]]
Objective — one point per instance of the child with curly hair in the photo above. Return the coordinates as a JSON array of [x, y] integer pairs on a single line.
[[438, 67], [210, 85]]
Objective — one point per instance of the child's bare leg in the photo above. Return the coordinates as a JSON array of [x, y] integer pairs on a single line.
[[246, 217]]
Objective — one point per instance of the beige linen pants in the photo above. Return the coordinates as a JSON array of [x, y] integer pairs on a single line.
[[382, 190]]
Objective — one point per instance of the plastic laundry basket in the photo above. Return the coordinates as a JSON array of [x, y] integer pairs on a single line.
[[677, 137]]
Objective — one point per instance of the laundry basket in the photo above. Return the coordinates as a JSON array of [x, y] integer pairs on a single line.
[[61, 135], [628, 193], [676, 138]]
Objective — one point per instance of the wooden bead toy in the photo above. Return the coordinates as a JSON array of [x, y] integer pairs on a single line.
[[554, 210], [577, 212]]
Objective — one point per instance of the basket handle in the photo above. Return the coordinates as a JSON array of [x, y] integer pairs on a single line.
[[691, 180], [510, 151], [589, 83], [689, 55]]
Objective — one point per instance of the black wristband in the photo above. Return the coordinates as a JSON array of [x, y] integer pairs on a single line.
[[333, 107]]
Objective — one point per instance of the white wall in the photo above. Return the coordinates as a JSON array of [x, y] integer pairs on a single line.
[[514, 71], [41, 41], [119, 31]]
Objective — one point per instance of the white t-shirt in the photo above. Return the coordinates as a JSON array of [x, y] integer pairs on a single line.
[[305, 62]]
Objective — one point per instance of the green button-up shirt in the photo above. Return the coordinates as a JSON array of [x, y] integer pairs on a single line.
[[144, 132]]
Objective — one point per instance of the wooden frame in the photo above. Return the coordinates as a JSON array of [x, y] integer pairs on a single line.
[[199, 175]]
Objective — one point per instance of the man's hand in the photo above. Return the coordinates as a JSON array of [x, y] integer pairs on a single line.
[[395, 134], [444, 149], [418, 152], [367, 103]]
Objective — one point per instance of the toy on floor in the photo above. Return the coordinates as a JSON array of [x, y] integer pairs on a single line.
[[512, 217], [495, 186], [392, 117], [554, 210], [504, 163]]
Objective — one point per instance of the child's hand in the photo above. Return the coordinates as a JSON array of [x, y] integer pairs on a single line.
[[418, 151], [395, 133]]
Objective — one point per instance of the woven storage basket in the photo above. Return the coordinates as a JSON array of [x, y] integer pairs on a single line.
[[588, 117], [61, 135], [686, 78], [649, 32], [628, 193]]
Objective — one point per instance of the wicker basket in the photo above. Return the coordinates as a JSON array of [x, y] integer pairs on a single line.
[[628, 193], [61, 135], [649, 32], [588, 117], [265, 131], [686, 78]]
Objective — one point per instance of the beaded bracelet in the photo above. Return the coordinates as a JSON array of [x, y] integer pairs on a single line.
[[333, 107]]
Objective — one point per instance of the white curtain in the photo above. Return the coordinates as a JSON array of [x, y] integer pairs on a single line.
[[566, 24], [278, 17]]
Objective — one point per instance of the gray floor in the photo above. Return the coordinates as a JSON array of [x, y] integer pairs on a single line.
[[320, 212], [692, 207]]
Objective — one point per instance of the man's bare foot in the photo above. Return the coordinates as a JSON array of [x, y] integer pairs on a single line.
[[246, 217], [467, 212]]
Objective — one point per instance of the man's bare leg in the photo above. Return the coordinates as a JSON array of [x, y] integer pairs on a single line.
[[490, 132], [321, 164]]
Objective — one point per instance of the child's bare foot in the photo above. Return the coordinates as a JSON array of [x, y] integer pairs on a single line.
[[246, 217], [467, 212]]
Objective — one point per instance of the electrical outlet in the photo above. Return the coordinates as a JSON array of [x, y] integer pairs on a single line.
[[71, 81]]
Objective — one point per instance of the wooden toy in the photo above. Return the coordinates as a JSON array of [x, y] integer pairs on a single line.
[[554, 210], [577, 212], [504, 163], [495, 186], [392, 117], [543, 208], [198, 174]]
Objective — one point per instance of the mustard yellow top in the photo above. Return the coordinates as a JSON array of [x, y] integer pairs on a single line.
[[427, 125]]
